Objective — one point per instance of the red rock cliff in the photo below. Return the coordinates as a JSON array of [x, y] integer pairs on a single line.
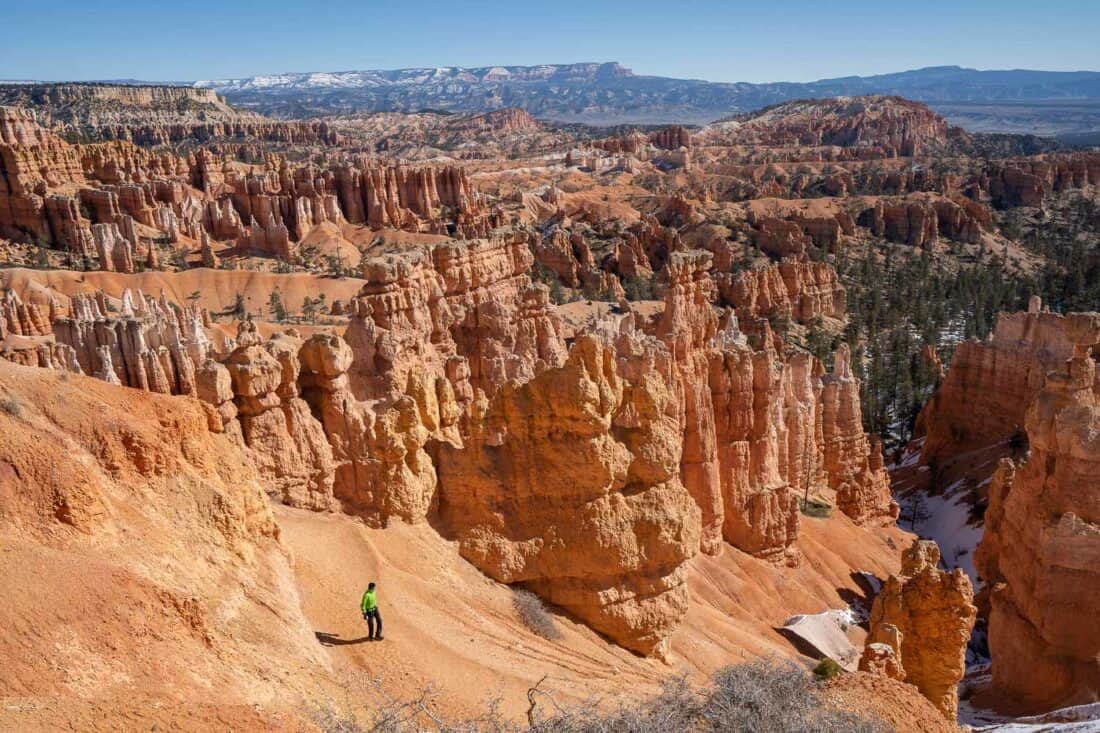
[[1041, 548], [990, 384]]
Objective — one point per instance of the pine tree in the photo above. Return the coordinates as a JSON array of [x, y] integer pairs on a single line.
[[276, 307], [309, 309], [239, 310]]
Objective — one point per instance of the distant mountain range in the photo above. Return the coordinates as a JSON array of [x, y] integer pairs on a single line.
[[1039, 102], [1022, 101]]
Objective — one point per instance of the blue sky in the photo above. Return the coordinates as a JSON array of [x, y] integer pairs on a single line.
[[769, 40]]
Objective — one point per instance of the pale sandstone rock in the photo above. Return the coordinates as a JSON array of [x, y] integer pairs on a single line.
[[44, 355], [22, 319], [116, 253], [209, 257], [151, 344]]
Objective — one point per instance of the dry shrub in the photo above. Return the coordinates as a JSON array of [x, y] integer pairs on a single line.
[[11, 405], [532, 612], [759, 697], [379, 712]]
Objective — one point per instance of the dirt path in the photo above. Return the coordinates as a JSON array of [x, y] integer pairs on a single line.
[[449, 627], [446, 624]]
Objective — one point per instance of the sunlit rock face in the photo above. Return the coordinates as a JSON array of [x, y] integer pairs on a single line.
[[924, 616], [570, 484], [1041, 548]]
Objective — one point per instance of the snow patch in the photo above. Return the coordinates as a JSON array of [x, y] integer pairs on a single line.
[[1075, 719], [946, 519]]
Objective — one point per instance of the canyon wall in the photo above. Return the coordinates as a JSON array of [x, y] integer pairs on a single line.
[[154, 115], [986, 392], [1032, 383], [1041, 547]]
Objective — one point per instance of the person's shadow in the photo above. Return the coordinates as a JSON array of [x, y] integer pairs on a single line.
[[328, 639]]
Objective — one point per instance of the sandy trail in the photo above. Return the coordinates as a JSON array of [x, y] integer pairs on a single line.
[[446, 624], [450, 627]]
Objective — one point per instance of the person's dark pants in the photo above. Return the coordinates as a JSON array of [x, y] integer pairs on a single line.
[[371, 617]]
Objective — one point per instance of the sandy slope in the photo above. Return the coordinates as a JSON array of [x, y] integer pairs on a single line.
[[142, 571], [447, 625]]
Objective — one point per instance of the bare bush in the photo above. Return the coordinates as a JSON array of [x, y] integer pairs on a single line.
[[379, 712], [770, 697], [11, 405], [759, 697], [330, 720], [532, 612]]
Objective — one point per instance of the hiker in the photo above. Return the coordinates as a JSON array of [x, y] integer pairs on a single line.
[[369, 607]]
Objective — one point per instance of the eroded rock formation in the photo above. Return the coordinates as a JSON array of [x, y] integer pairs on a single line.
[[265, 208], [287, 444], [919, 222], [1041, 547], [22, 319], [155, 115], [586, 452], [800, 290], [924, 616], [873, 125], [687, 327], [474, 300], [853, 461], [382, 469], [760, 507], [32, 161], [570, 484], [151, 344]]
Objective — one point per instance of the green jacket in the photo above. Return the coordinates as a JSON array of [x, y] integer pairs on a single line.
[[369, 602]]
